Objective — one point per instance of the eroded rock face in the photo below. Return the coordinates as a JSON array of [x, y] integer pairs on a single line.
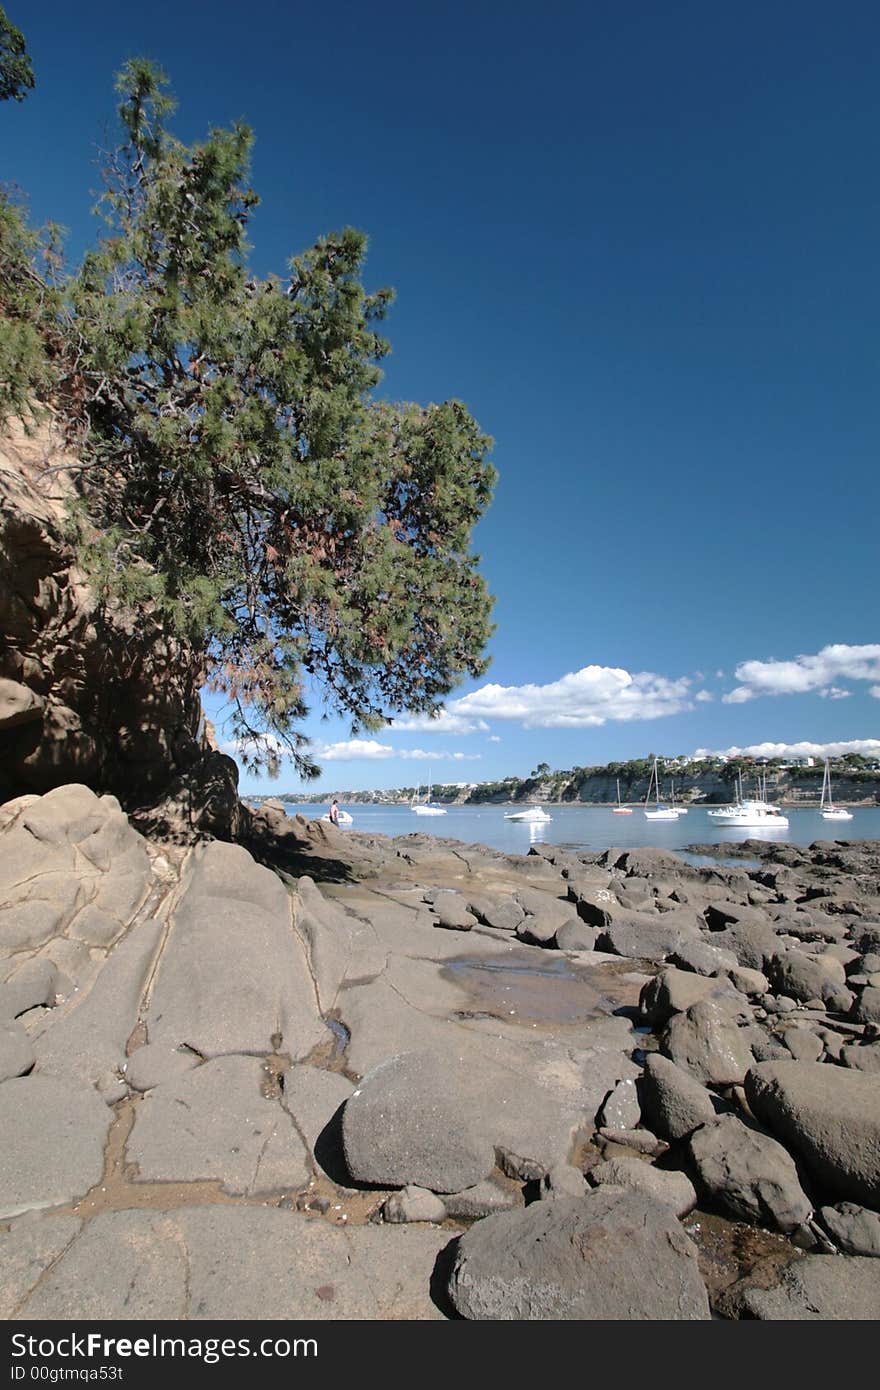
[[88, 692]]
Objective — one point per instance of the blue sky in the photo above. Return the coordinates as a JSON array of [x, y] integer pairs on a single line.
[[639, 241]]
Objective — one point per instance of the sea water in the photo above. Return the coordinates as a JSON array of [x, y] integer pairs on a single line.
[[595, 827]]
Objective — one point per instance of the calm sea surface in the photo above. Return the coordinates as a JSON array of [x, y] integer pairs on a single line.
[[595, 827]]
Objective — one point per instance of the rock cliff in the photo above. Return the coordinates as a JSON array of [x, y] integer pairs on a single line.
[[91, 691]]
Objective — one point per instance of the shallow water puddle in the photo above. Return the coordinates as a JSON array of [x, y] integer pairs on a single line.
[[549, 989]]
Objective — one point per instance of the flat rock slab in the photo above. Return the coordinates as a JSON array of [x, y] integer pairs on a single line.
[[233, 972], [829, 1116], [610, 1255], [215, 1123], [226, 1262], [27, 1250], [54, 1132]]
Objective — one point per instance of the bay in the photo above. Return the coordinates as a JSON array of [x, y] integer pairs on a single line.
[[595, 827]]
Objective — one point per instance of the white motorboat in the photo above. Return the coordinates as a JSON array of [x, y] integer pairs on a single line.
[[426, 807], [620, 809], [827, 807], [751, 814], [532, 814], [679, 810], [344, 818], [659, 812]]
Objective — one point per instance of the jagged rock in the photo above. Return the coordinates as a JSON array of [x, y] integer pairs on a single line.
[[674, 1190], [54, 1135], [610, 1255], [705, 1043], [673, 1101], [854, 1229], [414, 1204], [749, 1174], [200, 802], [834, 1288], [829, 1117]]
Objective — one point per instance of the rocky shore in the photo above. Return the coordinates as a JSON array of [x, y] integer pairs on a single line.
[[339, 1076]]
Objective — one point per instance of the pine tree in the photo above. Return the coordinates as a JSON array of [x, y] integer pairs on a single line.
[[243, 476]]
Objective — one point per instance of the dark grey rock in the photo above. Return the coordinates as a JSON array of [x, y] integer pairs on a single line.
[[749, 1174], [414, 1204], [673, 1101], [705, 1043], [611, 1255], [833, 1288], [577, 936], [675, 1190], [563, 1180], [854, 1229], [829, 1117]]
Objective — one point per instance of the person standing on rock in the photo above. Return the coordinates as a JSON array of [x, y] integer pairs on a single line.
[[334, 812]]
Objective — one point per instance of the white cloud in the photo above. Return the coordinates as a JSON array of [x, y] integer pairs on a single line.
[[819, 672], [352, 750], [835, 693], [581, 699], [443, 723], [493, 738], [260, 743], [421, 755], [868, 747], [875, 691], [704, 697]]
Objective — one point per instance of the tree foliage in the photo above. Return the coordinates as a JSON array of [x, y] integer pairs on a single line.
[[16, 73], [242, 475]]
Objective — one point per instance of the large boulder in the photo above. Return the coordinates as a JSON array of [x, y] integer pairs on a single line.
[[611, 1255], [749, 1174], [829, 1116]]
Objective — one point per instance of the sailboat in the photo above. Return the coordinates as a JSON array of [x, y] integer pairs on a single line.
[[427, 807], [620, 809], [827, 807], [679, 810], [660, 812], [757, 814]]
